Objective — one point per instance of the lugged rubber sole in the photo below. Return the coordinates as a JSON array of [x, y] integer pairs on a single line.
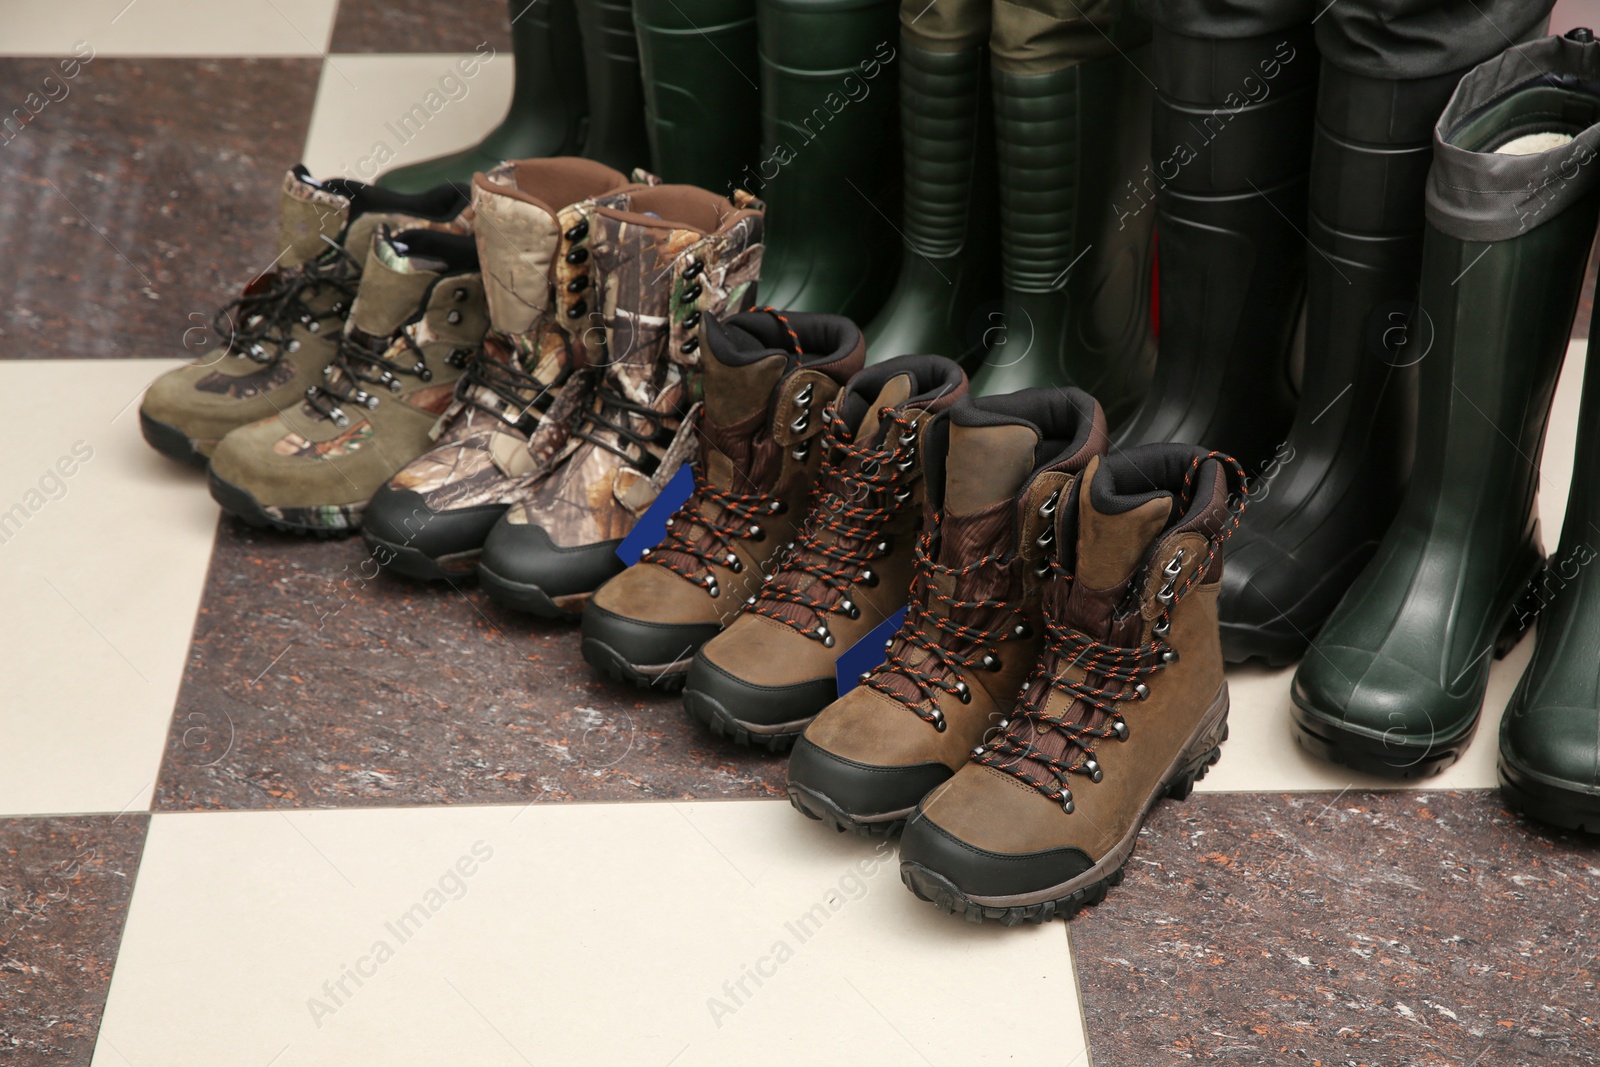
[[1375, 755], [1090, 887], [608, 661], [238, 502], [814, 805], [520, 596], [723, 724], [170, 441], [1568, 806]]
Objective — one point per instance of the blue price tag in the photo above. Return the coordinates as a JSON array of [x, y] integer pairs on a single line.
[[866, 653], [651, 529]]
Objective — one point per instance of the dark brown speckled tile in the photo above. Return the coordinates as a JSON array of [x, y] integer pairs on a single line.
[[148, 194], [419, 26], [390, 692], [1382, 929], [64, 889]]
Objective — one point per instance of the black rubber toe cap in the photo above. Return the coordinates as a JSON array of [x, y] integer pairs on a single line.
[[981, 873], [862, 789], [526, 556], [642, 643], [170, 441], [401, 518], [759, 705]]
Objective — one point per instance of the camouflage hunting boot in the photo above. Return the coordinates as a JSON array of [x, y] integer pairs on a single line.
[[432, 517], [617, 431], [275, 339], [997, 469], [1127, 703], [768, 375], [848, 569], [416, 321]]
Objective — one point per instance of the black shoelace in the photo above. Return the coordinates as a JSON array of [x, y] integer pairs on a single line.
[[612, 415], [363, 360], [524, 397], [260, 325]]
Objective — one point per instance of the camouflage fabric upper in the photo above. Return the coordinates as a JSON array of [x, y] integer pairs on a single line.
[[617, 434]]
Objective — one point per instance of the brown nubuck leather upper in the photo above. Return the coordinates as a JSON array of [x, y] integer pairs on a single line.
[[1128, 689], [849, 567], [998, 467], [768, 375]]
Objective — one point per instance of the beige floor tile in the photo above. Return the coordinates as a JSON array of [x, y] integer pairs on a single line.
[[1261, 753], [100, 575], [375, 112], [583, 934], [169, 27]]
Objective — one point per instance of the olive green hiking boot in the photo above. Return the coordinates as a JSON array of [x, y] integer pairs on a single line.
[[618, 431], [276, 338], [416, 321], [1394, 682], [432, 517], [998, 468]]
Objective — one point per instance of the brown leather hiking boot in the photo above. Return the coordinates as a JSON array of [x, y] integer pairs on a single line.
[[433, 516], [997, 469], [848, 569], [616, 433], [767, 375], [1127, 703], [276, 338]]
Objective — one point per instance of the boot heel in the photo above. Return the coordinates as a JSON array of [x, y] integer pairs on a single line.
[[1183, 782], [1523, 611]]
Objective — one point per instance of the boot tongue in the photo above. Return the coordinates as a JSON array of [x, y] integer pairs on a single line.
[[308, 212], [1114, 533], [393, 285], [895, 391]]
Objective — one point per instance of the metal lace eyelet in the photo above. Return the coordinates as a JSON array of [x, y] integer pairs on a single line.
[[394, 384], [888, 646], [689, 346], [577, 255], [801, 453], [1022, 629], [803, 397], [579, 231], [756, 533], [938, 723], [1047, 538], [869, 578], [978, 751], [313, 326], [902, 495], [421, 371], [646, 553], [1120, 729], [801, 422], [459, 295], [576, 311], [907, 463], [292, 346], [963, 694], [1092, 769], [827, 638], [1162, 626], [691, 294], [849, 608], [1048, 508], [1066, 801], [1169, 656], [990, 662], [712, 587], [1174, 565], [776, 507], [694, 268], [1042, 569], [884, 547], [863, 676], [691, 320], [578, 284], [1142, 691]]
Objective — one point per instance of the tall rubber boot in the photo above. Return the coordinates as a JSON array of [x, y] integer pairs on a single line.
[[702, 107], [616, 134], [1072, 120], [1321, 505], [829, 171], [949, 270], [1229, 183], [548, 102], [1395, 681]]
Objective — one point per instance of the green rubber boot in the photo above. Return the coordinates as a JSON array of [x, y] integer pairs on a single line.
[[949, 270], [616, 134], [1072, 120], [1394, 682], [829, 169], [702, 106], [548, 103]]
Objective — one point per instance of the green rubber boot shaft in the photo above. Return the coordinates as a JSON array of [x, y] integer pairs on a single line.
[[950, 267], [1228, 182], [830, 166], [548, 101], [616, 134], [1076, 249], [701, 99], [1319, 509], [1404, 659]]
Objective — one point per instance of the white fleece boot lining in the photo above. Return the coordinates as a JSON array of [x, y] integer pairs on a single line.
[[1531, 144]]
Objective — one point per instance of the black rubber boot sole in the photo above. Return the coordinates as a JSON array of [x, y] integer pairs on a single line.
[[240, 504], [814, 805], [170, 441], [943, 894], [414, 563], [723, 724], [520, 596], [614, 665], [1566, 805]]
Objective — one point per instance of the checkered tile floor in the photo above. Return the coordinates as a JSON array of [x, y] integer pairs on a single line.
[[256, 812]]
